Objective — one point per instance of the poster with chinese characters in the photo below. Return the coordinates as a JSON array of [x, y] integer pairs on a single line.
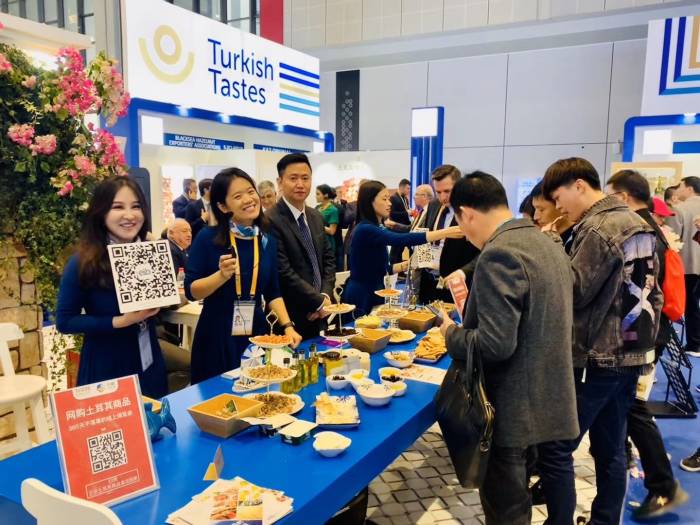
[[103, 443]]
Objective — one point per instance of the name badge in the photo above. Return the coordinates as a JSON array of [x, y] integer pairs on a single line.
[[243, 314], [145, 347]]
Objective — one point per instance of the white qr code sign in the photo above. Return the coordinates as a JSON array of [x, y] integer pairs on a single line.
[[144, 275], [107, 451]]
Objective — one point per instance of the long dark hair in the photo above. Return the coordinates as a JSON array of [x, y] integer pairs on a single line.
[[217, 195], [365, 200], [326, 191], [92, 248]]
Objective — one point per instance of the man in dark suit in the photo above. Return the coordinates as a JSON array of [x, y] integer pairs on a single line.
[[180, 237], [305, 257], [199, 211], [189, 194], [400, 213], [455, 254]]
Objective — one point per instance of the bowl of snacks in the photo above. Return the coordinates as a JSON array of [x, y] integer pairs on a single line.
[[399, 359], [222, 415], [398, 388], [357, 374], [331, 444], [337, 381], [390, 379], [365, 381], [390, 371], [375, 395]]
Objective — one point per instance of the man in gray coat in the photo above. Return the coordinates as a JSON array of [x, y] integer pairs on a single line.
[[519, 318], [683, 223]]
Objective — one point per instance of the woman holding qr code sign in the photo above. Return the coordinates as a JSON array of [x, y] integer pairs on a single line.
[[232, 266], [114, 344]]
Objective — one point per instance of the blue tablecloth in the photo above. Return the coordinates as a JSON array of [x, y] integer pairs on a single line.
[[320, 486]]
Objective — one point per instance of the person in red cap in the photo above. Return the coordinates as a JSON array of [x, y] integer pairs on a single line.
[[660, 211]]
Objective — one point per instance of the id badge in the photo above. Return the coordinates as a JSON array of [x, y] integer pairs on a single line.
[[145, 347], [436, 253], [243, 313]]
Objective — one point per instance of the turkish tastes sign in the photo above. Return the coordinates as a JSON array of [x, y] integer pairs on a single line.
[[176, 56]]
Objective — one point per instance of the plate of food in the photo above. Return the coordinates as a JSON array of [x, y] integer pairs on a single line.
[[275, 403], [401, 336], [271, 341], [388, 292], [431, 348], [337, 333], [336, 411], [390, 312], [339, 308], [399, 359], [268, 373], [368, 321]]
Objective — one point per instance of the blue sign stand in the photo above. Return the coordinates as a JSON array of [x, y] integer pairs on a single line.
[[427, 131]]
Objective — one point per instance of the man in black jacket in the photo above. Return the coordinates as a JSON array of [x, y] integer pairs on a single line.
[[454, 254], [199, 212], [519, 319], [189, 194], [180, 237], [400, 213], [664, 492], [305, 257]]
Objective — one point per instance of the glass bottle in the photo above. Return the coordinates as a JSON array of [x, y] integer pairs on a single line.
[[287, 387], [313, 365], [297, 378], [303, 368]]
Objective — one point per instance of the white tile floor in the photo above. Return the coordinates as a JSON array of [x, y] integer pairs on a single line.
[[420, 487]]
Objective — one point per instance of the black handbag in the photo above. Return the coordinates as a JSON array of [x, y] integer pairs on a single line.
[[466, 419]]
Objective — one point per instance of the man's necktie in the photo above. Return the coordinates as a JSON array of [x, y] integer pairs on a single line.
[[310, 250]]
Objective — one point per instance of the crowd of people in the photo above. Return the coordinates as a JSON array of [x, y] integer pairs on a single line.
[[565, 303]]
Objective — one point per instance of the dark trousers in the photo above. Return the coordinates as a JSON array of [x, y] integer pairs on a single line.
[[428, 292], [641, 427], [692, 312], [504, 494], [603, 402]]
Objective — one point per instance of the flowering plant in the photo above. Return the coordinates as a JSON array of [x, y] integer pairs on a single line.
[[50, 159]]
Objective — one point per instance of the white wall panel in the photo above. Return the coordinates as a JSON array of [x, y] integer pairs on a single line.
[[626, 86], [557, 8], [558, 96], [507, 11], [308, 23], [473, 92], [328, 102], [381, 19], [421, 16], [343, 21], [530, 162], [489, 160], [387, 95], [459, 14]]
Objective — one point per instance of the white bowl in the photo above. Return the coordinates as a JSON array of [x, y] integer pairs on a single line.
[[375, 395], [399, 389], [390, 371], [357, 374], [341, 445], [399, 363], [365, 381], [337, 384], [389, 383]]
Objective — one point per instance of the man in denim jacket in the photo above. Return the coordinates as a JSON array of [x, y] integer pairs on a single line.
[[617, 305]]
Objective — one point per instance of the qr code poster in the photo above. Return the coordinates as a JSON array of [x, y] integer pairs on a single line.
[[103, 442], [144, 275]]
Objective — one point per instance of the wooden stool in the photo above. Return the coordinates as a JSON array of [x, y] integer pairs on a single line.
[[18, 390]]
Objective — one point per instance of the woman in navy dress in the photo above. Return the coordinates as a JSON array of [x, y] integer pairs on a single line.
[[369, 260], [114, 344], [231, 285]]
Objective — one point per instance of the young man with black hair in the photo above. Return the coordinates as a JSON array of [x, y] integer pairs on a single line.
[[400, 214], [306, 259], [189, 194], [199, 212], [683, 223], [546, 213], [518, 318], [617, 305], [664, 492]]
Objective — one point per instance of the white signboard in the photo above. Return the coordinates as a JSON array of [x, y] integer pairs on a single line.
[[672, 70], [176, 56]]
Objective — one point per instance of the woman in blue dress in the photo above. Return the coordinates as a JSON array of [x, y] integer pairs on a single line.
[[114, 344], [369, 260], [233, 287]]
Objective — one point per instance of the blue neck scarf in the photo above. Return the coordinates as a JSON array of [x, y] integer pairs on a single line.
[[247, 232]]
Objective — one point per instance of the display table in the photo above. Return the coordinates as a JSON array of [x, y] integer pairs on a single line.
[[187, 316], [320, 486]]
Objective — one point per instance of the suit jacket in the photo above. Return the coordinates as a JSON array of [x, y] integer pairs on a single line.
[[193, 215], [683, 224], [179, 256], [180, 206], [456, 253], [399, 210], [519, 317], [295, 270]]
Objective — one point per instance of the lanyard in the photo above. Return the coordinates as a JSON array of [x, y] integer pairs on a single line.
[[256, 257]]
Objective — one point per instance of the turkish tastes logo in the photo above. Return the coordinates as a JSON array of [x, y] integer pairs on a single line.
[[680, 58], [171, 67], [299, 90]]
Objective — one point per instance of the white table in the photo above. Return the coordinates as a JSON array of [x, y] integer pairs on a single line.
[[187, 316]]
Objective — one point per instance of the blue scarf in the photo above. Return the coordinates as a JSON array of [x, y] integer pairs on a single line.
[[247, 232]]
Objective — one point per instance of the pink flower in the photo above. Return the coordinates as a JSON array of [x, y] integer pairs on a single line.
[[5, 65], [43, 145], [2, 26], [21, 134], [84, 165], [66, 190], [29, 82], [110, 154], [77, 94]]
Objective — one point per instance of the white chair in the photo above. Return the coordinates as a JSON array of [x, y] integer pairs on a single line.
[[18, 390], [51, 507]]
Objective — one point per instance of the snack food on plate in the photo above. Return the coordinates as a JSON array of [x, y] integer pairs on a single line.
[[275, 403], [389, 311], [269, 372], [340, 308], [401, 336], [431, 347], [368, 321], [271, 340], [388, 292]]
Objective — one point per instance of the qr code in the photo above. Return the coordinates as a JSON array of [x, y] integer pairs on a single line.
[[143, 272], [107, 451]]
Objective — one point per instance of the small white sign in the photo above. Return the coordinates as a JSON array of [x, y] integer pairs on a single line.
[[144, 275]]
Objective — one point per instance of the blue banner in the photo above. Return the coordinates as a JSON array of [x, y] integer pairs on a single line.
[[190, 141], [278, 149]]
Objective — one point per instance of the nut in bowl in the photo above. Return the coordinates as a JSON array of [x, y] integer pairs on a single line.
[[390, 371], [331, 444], [337, 382], [375, 395], [399, 359]]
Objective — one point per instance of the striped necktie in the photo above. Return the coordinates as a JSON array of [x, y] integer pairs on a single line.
[[310, 250]]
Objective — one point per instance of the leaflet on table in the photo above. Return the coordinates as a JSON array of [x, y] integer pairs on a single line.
[[103, 442], [425, 374], [234, 502]]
